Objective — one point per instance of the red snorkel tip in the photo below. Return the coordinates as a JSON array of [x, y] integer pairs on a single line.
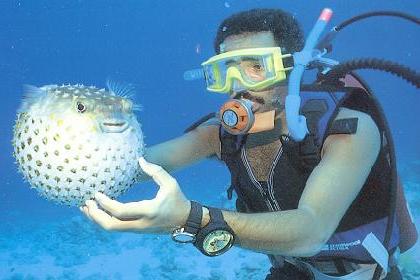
[[326, 14]]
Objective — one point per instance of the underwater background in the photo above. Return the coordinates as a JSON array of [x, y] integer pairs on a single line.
[[150, 44]]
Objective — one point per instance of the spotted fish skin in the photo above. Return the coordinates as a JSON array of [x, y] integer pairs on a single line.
[[71, 141]]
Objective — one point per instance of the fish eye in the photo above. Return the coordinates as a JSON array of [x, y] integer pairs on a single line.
[[81, 108]]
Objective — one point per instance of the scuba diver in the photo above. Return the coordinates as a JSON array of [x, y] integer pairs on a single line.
[[313, 166]]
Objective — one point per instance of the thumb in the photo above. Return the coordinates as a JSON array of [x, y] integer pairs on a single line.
[[149, 168], [159, 175]]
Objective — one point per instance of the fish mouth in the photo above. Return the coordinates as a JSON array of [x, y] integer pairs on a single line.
[[114, 126]]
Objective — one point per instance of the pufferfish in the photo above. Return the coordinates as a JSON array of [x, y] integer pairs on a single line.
[[71, 141]]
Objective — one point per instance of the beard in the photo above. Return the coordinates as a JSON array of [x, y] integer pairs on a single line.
[[250, 97], [278, 102], [262, 104]]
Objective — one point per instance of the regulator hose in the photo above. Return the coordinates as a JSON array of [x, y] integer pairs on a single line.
[[394, 68], [411, 18]]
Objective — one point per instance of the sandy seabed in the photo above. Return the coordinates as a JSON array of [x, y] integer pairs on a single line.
[[76, 249]]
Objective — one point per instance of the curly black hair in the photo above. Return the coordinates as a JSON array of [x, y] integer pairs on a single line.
[[286, 30]]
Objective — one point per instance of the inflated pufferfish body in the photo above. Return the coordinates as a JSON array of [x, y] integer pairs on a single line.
[[72, 140]]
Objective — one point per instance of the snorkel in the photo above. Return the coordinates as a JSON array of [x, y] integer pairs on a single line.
[[331, 71], [296, 123]]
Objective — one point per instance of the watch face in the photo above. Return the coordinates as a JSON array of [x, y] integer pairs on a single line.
[[217, 242]]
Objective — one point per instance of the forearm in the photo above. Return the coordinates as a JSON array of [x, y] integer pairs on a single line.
[[287, 233], [166, 158], [174, 154]]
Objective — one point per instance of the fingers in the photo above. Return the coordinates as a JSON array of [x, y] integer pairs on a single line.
[[105, 220], [85, 211], [159, 175], [131, 210], [139, 216], [95, 214]]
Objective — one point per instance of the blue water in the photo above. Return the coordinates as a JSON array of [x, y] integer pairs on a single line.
[[151, 44]]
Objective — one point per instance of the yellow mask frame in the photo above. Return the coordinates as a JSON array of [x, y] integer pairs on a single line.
[[220, 76]]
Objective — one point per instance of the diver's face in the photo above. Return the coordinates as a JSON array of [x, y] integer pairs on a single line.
[[267, 99]]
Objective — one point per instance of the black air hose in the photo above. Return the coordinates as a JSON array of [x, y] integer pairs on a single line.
[[394, 68], [411, 18]]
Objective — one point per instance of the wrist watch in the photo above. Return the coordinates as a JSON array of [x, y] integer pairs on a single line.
[[216, 237], [187, 233]]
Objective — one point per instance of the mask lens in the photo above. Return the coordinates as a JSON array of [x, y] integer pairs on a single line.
[[215, 75], [209, 75], [256, 69]]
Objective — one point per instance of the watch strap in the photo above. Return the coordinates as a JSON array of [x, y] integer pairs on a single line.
[[193, 223], [216, 215]]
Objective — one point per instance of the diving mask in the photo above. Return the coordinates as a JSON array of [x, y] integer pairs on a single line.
[[255, 69]]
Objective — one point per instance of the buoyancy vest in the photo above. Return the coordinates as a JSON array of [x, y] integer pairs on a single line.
[[363, 226]]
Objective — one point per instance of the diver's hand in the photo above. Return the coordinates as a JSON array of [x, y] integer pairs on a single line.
[[167, 211]]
